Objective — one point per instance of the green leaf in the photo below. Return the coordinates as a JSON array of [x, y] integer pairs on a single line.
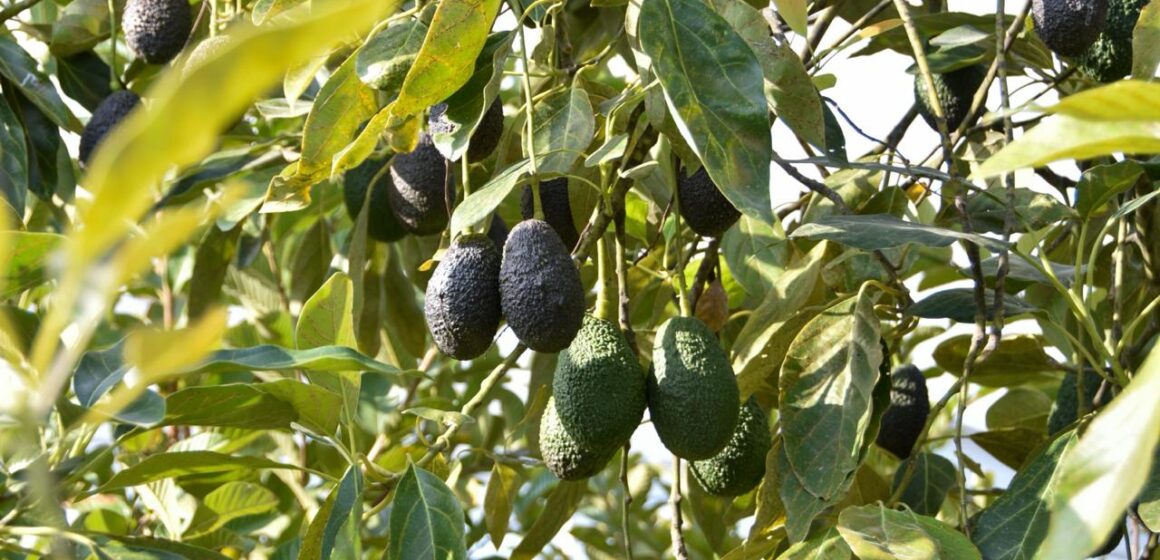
[[826, 384], [26, 259], [13, 158], [275, 358], [386, 57], [1011, 446], [328, 318], [934, 476], [713, 86], [1020, 407], [561, 504], [342, 507], [175, 464], [801, 506], [84, 77], [502, 488], [233, 405], [756, 253], [877, 533], [98, 372], [466, 107], [1018, 359], [317, 408], [882, 231], [211, 263], [958, 304], [1062, 137], [480, 204], [441, 417], [564, 125], [1146, 43], [81, 25], [1148, 507], [1118, 101], [163, 549], [1105, 471], [311, 261], [1033, 211], [227, 502], [1013, 527], [828, 545], [20, 68], [1020, 269], [794, 13], [426, 519], [1100, 184]]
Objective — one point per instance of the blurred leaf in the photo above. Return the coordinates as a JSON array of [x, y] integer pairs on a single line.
[[157, 353], [564, 125], [1033, 211], [20, 69], [882, 231], [1011, 446], [211, 263], [13, 158], [1063, 137], [1132, 100], [343, 506], [934, 476], [713, 85], [1148, 506], [84, 77], [227, 502], [174, 464], [958, 304], [466, 107], [481, 203], [828, 545], [233, 405], [275, 358], [794, 13], [502, 488], [26, 256], [81, 25], [1020, 407], [157, 548], [426, 519], [1019, 359], [1146, 43], [558, 509], [878, 533], [1106, 469], [99, 372], [310, 265], [1100, 184]]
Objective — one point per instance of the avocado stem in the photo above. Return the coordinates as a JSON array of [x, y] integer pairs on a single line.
[[606, 283]]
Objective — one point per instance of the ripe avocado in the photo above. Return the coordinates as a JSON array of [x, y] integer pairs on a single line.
[[157, 29], [111, 111], [556, 207], [739, 467], [487, 134], [1109, 58], [693, 397], [703, 206], [599, 386], [1069, 27], [904, 419], [562, 454], [462, 299], [420, 188], [381, 222], [956, 90], [540, 288]]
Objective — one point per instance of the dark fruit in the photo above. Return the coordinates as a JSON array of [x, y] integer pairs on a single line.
[[157, 29], [739, 467], [420, 188], [540, 288], [381, 223], [703, 206], [1069, 27], [905, 418], [556, 207], [111, 111], [462, 300], [956, 90]]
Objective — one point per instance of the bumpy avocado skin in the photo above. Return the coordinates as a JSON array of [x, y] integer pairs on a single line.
[[562, 454], [739, 467], [487, 134], [419, 189], [157, 29], [1109, 58], [540, 288], [556, 207], [1068, 27], [111, 111], [462, 299], [956, 90], [381, 222], [693, 397], [599, 386], [904, 419], [703, 206], [1064, 412]]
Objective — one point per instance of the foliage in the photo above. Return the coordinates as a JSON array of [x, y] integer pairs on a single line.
[[205, 355]]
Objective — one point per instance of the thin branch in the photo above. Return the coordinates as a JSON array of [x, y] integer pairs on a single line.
[[911, 170], [708, 265], [813, 185], [919, 50], [896, 133], [675, 502], [854, 28], [624, 520], [973, 353], [825, 18], [992, 72], [1009, 182], [15, 9]]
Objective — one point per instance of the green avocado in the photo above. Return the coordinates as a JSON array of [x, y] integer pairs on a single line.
[[563, 455], [956, 90], [599, 386], [1065, 412], [462, 299], [540, 288], [703, 206], [381, 222], [420, 189], [904, 419], [157, 29], [1109, 58], [693, 398], [738, 468], [556, 207], [1069, 27], [112, 110]]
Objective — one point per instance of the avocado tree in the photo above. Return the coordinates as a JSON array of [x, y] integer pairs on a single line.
[[567, 279]]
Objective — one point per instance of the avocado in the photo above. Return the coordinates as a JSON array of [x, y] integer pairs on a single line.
[[381, 222], [1069, 27], [420, 188], [111, 111], [1109, 58], [739, 467], [540, 288], [562, 454], [556, 207], [693, 397], [157, 29], [487, 133], [703, 206], [956, 90], [905, 418], [1065, 412], [599, 386], [462, 299]]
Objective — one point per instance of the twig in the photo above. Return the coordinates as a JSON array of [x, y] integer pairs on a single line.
[[896, 133], [816, 186], [815, 33], [1009, 182], [625, 317], [854, 28], [624, 520], [911, 170], [861, 132], [675, 501], [972, 354], [708, 265], [992, 72], [15, 9], [916, 45]]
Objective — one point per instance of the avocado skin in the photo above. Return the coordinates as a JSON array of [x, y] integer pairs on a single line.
[[956, 89], [1065, 412], [111, 111], [381, 222], [904, 419], [703, 206], [1109, 58], [556, 207], [693, 397], [739, 467], [157, 29], [562, 454], [419, 189], [484, 140], [462, 299], [1069, 27], [540, 289], [599, 386]]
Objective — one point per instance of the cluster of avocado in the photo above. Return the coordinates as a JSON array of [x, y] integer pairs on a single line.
[[956, 91], [1109, 57], [905, 418], [1069, 27]]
